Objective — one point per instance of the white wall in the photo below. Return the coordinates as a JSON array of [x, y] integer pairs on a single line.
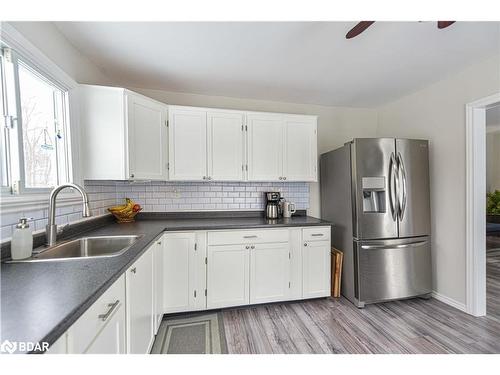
[[493, 161], [437, 113], [336, 125], [47, 38]]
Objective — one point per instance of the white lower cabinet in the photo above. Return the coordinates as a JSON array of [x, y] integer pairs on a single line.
[[101, 329], [188, 271], [139, 288], [295, 263], [316, 269], [228, 276], [158, 283], [269, 272], [184, 274], [111, 339]]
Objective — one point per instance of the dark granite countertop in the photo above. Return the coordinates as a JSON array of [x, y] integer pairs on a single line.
[[41, 300]]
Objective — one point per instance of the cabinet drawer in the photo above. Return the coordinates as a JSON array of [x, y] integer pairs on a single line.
[[247, 236], [88, 326], [316, 234]]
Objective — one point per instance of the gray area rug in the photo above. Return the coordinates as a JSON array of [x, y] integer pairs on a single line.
[[191, 334]]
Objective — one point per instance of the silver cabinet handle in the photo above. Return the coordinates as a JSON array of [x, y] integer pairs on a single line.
[[134, 270], [284, 178], [305, 244], [253, 236], [112, 307], [281, 178], [247, 247], [132, 175], [159, 242], [204, 177], [317, 234], [252, 247]]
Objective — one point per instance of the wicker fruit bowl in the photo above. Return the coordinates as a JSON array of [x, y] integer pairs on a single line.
[[125, 213]]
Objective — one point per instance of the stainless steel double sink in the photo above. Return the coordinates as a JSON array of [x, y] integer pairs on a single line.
[[84, 247]]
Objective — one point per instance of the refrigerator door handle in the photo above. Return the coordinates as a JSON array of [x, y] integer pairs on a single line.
[[393, 183], [402, 170], [402, 246]]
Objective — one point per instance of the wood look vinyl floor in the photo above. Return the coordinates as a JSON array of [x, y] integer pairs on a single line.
[[337, 326]]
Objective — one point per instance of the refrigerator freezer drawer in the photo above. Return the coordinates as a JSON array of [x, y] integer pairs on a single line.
[[393, 269]]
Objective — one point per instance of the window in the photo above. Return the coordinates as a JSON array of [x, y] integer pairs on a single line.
[[34, 144]]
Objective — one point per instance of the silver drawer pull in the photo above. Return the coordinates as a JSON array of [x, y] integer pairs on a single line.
[[249, 236], [317, 234], [112, 307]]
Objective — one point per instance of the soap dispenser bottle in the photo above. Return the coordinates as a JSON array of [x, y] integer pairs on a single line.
[[21, 245]]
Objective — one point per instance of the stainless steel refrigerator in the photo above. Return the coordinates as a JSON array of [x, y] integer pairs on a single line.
[[375, 191]]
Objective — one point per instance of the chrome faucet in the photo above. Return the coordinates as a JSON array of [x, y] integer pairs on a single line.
[[51, 228]]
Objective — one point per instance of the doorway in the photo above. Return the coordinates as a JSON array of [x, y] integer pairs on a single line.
[[476, 173]]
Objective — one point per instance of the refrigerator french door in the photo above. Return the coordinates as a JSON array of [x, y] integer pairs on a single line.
[[375, 191], [391, 188]]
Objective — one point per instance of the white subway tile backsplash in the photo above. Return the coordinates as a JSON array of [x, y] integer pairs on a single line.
[[161, 196]]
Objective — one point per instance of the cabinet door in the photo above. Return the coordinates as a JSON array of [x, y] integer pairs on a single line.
[[300, 149], [225, 146], [295, 263], [94, 322], [139, 286], [158, 278], [269, 272], [316, 269], [178, 271], [111, 339], [227, 276], [187, 144], [265, 147], [147, 138]]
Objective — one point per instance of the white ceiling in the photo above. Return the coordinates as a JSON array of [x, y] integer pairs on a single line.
[[302, 62]]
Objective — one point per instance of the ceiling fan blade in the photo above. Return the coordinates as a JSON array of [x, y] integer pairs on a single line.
[[444, 24], [358, 29]]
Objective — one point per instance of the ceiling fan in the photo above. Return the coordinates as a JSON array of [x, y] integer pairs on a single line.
[[363, 25]]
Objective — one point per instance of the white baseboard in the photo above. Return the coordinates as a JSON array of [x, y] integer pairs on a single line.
[[449, 301]]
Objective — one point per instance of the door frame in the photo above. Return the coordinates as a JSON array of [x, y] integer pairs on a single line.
[[475, 139]]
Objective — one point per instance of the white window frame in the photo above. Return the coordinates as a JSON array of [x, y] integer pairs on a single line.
[[36, 60], [4, 190]]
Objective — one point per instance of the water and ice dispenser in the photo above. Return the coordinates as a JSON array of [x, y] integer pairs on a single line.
[[374, 194]]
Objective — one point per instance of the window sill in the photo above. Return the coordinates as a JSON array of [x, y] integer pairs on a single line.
[[15, 203]]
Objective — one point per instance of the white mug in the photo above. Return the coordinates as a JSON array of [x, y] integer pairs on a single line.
[[288, 209]]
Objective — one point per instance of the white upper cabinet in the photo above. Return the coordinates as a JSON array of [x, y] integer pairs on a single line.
[[265, 147], [225, 145], [300, 154], [187, 143], [123, 135], [147, 138], [281, 147]]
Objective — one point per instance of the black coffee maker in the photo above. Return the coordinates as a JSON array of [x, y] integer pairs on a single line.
[[273, 204]]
